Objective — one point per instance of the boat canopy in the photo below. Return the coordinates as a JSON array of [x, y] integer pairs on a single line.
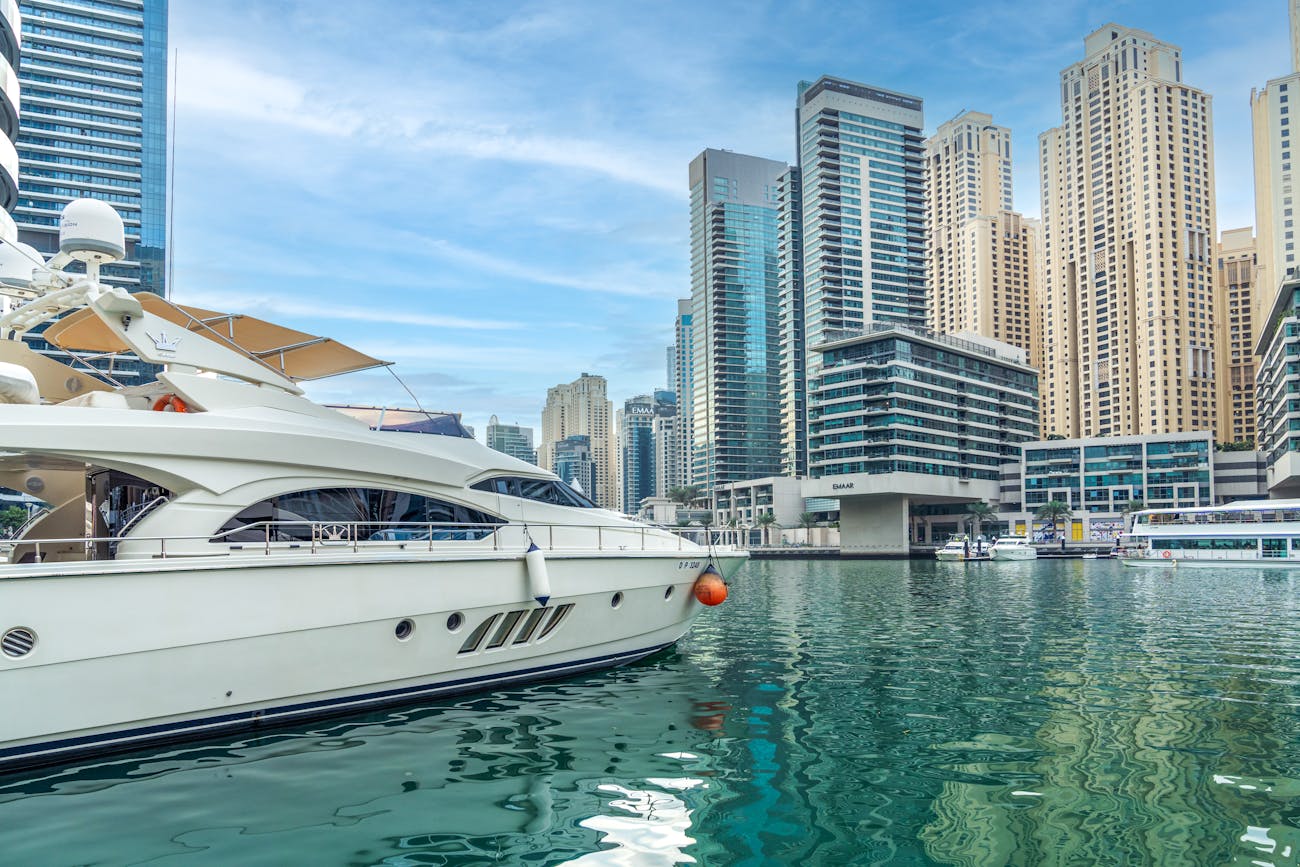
[[295, 354]]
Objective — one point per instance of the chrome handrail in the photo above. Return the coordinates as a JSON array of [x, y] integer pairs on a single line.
[[619, 537]]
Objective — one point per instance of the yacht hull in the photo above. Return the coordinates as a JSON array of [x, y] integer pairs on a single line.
[[1014, 554], [123, 658]]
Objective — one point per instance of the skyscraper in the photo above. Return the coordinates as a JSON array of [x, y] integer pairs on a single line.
[[511, 439], [736, 400], [637, 446], [980, 258], [1234, 343], [790, 311], [574, 463], [681, 378], [1128, 233], [94, 124], [1275, 197], [853, 231], [580, 408]]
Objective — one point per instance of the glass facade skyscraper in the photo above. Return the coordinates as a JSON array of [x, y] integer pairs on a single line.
[[511, 439], [94, 124], [853, 231], [734, 293], [638, 453]]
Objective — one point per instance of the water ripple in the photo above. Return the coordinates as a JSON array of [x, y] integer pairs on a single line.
[[830, 713]]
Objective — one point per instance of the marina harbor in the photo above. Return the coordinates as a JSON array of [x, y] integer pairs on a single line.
[[649, 434]]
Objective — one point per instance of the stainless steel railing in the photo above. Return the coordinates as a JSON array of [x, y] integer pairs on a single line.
[[277, 537]]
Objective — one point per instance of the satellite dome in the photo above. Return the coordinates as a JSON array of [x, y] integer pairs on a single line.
[[91, 231], [15, 268]]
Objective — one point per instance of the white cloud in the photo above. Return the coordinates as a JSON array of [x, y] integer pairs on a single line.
[[383, 313]]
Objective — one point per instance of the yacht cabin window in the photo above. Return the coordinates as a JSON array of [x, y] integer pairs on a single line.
[[542, 490], [371, 513]]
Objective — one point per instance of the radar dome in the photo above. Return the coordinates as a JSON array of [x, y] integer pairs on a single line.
[[91, 231], [15, 268]]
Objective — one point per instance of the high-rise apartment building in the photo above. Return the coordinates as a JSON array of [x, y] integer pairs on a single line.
[[736, 400], [669, 466], [94, 124], [574, 463], [980, 258], [790, 311], [1128, 234], [580, 408], [1234, 341], [681, 378], [511, 439], [853, 231], [637, 446], [1275, 180]]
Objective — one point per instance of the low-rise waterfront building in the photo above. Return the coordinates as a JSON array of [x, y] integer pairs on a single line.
[[745, 502], [1101, 479], [901, 417]]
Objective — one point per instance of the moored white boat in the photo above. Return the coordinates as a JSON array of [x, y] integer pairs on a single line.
[[221, 551], [1255, 534], [962, 548], [1013, 548]]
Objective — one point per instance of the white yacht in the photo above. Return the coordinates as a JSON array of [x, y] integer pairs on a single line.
[[219, 550], [1013, 548], [1255, 533], [962, 548]]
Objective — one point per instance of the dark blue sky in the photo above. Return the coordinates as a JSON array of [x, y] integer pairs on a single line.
[[493, 194]]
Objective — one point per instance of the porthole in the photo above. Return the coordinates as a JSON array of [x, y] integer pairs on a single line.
[[455, 622], [17, 642], [404, 628], [668, 592], [616, 601]]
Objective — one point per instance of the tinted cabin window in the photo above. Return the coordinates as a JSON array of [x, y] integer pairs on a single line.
[[377, 514], [542, 490]]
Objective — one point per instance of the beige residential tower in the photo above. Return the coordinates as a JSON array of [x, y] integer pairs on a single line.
[[980, 255], [1128, 234]]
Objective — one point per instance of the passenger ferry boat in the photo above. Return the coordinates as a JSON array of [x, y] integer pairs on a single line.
[[1013, 548], [219, 550], [1255, 533]]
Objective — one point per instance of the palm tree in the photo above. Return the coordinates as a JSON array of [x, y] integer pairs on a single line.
[[1055, 512], [733, 526], [684, 495], [979, 512], [765, 520], [808, 520]]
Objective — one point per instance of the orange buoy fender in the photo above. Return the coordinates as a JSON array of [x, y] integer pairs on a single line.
[[170, 401], [710, 589]]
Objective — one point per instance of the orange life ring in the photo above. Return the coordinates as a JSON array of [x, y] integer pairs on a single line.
[[1166, 554], [170, 400]]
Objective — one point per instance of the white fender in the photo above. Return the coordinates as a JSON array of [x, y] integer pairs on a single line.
[[539, 583]]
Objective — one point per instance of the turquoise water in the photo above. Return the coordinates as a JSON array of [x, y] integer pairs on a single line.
[[1070, 712]]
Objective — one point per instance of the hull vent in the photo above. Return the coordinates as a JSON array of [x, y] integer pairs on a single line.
[[17, 642], [509, 623]]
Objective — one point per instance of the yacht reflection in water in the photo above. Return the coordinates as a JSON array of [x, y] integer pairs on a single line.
[[548, 768]]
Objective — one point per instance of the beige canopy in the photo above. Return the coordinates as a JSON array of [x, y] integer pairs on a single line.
[[295, 354]]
